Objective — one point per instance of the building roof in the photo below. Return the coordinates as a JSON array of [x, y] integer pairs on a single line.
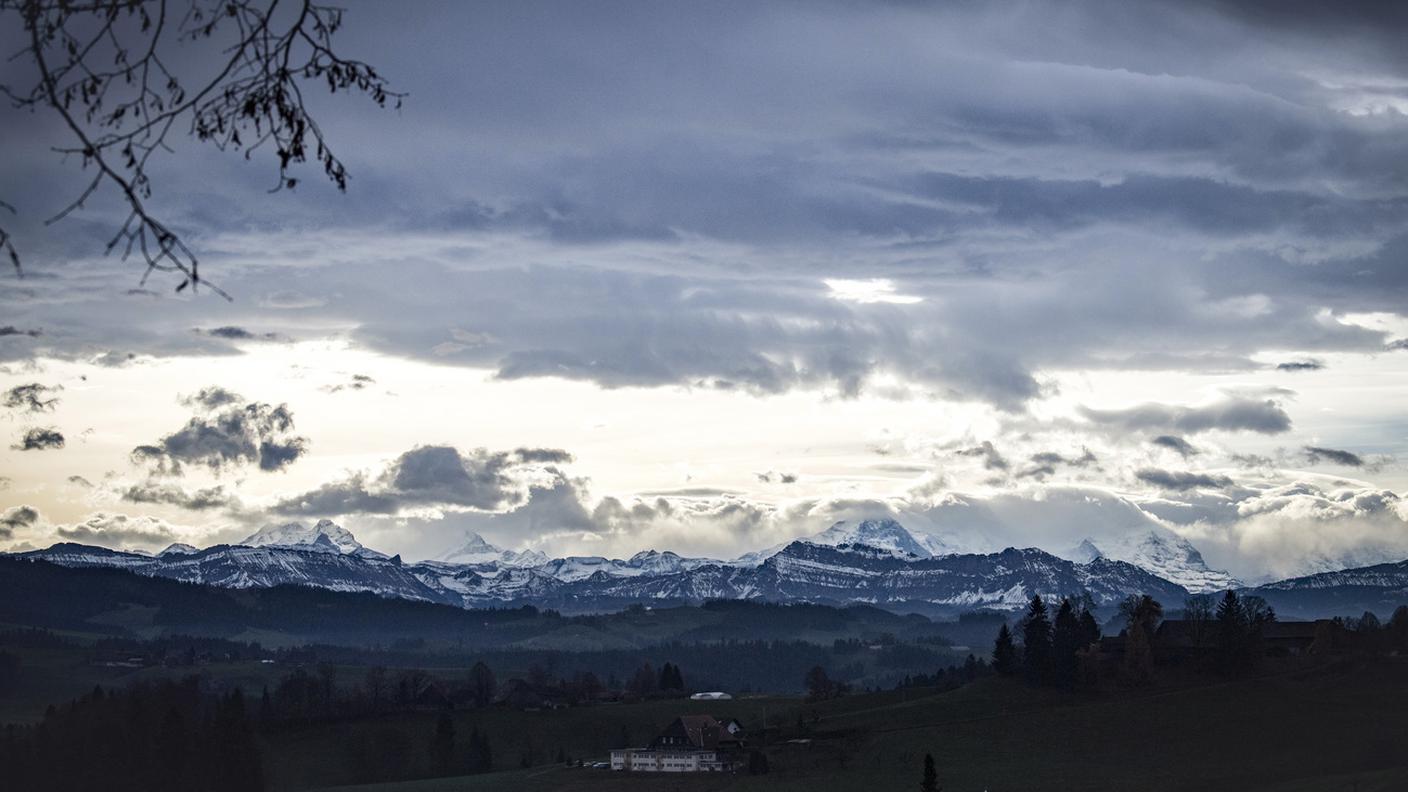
[[699, 731], [1186, 633]]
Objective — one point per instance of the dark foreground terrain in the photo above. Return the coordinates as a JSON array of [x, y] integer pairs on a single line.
[[1324, 726]]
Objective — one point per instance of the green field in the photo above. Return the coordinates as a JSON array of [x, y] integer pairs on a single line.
[[1336, 726]]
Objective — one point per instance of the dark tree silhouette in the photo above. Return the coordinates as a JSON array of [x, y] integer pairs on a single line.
[[1089, 628], [757, 763], [644, 681], [481, 758], [121, 75], [1036, 643], [1065, 642], [819, 686], [442, 745], [930, 782], [671, 678], [1240, 621], [1144, 610], [482, 684], [1004, 652], [1142, 615]]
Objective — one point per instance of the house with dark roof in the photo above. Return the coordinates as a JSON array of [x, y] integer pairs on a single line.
[[690, 744], [1181, 638]]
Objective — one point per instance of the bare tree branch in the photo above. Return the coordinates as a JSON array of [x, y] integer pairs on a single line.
[[104, 68]]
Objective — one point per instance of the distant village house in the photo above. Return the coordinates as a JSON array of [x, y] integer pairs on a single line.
[[690, 744]]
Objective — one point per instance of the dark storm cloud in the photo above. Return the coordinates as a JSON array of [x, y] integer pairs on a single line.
[[1231, 414], [225, 434], [212, 398], [40, 439], [1180, 480], [775, 477], [172, 495], [1316, 454], [1124, 186], [32, 397], [992, 458], [1397, 344], [117, 531], [1300, 365], [236, 333], [430, 477], [1178, 445], [358, 382], [542, 456], [17, 517], [11, 330], [1044, 464]]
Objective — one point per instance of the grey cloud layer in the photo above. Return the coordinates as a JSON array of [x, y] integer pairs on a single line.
[[17, 517], [40, 439], [657, 204], [32, 397], [437, 477], [1231, 414], [226, 434]]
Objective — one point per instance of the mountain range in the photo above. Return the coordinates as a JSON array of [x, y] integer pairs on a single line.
[[879, 562]]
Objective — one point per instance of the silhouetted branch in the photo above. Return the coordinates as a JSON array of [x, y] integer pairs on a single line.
[[103, 68]]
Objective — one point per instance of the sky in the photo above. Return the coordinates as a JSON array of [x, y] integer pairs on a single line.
[[709, 277]]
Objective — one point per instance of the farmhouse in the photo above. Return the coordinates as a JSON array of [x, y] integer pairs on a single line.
[[690, 744]]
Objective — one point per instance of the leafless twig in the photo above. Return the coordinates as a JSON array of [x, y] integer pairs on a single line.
[[107, 68]]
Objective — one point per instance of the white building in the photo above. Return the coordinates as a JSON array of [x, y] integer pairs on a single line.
[[691, 744]]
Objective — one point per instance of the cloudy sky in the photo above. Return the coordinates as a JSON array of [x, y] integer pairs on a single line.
[[707, 277]]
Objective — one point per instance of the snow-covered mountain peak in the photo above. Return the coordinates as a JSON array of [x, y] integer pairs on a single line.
[[474, 549], [1085, 552], [1163, 553], [178, 549], [325, 534], [882, 534]]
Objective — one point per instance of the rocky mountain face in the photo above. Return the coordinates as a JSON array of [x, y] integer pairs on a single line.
[[1163, 553], [1388, 576], [875, 562], [872, 561]]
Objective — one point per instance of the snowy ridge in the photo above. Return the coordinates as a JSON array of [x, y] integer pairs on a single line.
[[1386, 576], [326, 535], [835, 566], [1163, 553]]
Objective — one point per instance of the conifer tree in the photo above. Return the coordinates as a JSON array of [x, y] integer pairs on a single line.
[[482, 684], [1065, 642], [931, 776], [480, 758], [1036, 643], [1231, 633], [1004, 653], [1089, 628], [442, 746]]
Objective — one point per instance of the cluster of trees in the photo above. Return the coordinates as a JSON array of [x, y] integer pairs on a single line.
[[1372, 635], [152, 737], [646, 681], [1240, 621], [820, 686], [447, 757], [1049, 654], [954, 676]]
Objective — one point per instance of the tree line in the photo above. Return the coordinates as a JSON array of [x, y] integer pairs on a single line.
[[168, 735], [1050, 650]]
